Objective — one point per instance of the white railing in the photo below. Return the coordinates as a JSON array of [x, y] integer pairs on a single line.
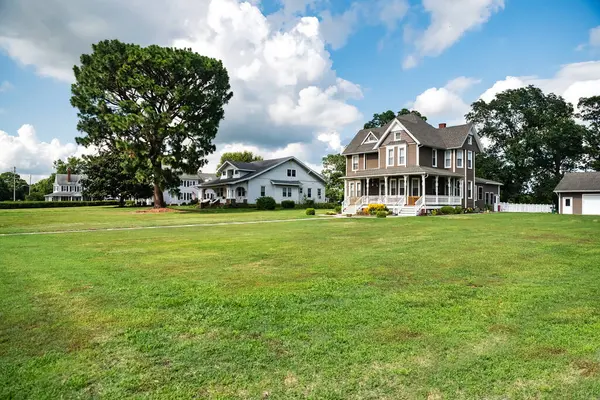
[[526, 208], [443, 200], [419, 204], [401, 201]]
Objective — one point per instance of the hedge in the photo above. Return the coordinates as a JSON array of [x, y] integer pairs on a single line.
[[265, 203], [288, 204], [55, 204]]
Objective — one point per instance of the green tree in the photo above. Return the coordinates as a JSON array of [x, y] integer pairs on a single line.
[[41, 188], [160, 107], [74, 163], [334, 167], [535, 138], [240, 156], [589, 111], [20, 185], [107, 175], [380, 120]]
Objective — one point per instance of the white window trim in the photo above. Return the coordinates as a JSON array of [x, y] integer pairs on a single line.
[[470, 159], [470, 189], [446, 158], [403, 146], [434, 157], [396, 137], [461, 159], [357, 162], [387, 156]]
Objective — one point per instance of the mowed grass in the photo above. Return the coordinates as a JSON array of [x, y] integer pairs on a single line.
[[82, 218], [475, 306]]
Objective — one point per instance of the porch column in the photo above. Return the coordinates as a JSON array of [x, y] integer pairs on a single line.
[[346, 189], [461, 191], [406, 190], [437, 200], [385, 188], [450, 187], [423, 188], [367, 190]]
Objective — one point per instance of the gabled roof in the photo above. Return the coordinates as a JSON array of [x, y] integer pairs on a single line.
[[256, 168], [425, 134], [61, 179], [579, 182]]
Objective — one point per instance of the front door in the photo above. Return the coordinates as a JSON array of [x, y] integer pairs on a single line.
[[567, 205]]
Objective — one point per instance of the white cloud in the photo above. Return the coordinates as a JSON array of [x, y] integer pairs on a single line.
[[285, 90], [462, 83], [450, 20], [445, 103], [595, 37], [32, 156], [332, 139], [5, 86]]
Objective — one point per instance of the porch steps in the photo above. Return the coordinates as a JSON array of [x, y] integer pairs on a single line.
[[408, 211]]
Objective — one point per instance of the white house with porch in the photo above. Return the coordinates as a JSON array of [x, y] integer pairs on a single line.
[[282, 178]]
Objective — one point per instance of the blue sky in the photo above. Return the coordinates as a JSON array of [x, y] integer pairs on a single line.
[[306, 74]]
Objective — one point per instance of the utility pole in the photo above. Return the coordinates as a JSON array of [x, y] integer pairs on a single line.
[[14, 183]]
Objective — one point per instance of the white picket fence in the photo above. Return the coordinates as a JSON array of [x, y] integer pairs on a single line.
[[526, 208]]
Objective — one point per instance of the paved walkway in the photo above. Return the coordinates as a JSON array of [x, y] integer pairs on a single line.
[[137, 228]]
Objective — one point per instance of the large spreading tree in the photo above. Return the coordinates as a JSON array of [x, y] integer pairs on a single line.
[[334, 167], [383, 118], [589, 111], [12, 182], [159, 107], [534, 139]]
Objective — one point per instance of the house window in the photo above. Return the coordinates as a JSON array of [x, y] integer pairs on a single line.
[[459, 159], [240, 191], [487, 198], [390, 158], [263, 191], [401, 187], [470, 139], [318, 193], [358, 191], [309, 193], [470, 159], [470, 190], [291, 172], [402, 155], [393, 189], [397, 136], [300, 189], [479, 192], [352, 193], [355, 162], [434, 157], [567, 202], [448, 159], [287, 192]]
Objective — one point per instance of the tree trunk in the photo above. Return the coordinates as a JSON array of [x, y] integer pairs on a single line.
[[159, 201], [121, 201]]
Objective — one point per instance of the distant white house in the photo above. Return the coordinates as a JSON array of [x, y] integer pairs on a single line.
[[282, 178], [188, 188], [67, 187]]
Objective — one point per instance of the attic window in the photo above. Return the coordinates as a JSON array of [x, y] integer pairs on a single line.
[[371, 138], [397, 135], [470, 139]]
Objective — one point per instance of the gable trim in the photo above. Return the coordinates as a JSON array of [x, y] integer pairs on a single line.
[[366, 139], [389, 129]]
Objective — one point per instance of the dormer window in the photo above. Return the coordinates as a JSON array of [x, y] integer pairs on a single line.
[[470, 139], [371, 138], [397, 135]]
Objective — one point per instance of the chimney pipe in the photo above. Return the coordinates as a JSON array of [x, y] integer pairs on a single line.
[[69, 174], [442, 125]]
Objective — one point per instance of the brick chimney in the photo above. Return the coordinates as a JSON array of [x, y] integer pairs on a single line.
[[69, 174], [442, 125]]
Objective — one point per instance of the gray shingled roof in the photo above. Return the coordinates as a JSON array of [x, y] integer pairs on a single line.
[[61, 179], [412, 170], [455, 136], [579, 182], [355, 145], [483, 181], [257, 167], [291, 183], [445, 138]]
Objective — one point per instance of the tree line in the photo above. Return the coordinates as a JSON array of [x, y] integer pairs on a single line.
[[532, 139]]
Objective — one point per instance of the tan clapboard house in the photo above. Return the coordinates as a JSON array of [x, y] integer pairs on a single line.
[[411, 166]]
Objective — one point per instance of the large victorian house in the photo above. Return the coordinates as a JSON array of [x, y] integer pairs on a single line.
[[412, 166]]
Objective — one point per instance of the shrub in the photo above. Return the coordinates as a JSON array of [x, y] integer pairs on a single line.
[[372, 209], [469, 210], [55, 204], [309, 203], [458, 210], [265, 203], [447, 210], [338, 209], [310, 211], [129, 203], [381, 214], [331, 213], [193, 202], [288, 204], [316, 206], [434, 212]]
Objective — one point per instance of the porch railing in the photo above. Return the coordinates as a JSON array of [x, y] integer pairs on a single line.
[[443, 200], [419, 204]]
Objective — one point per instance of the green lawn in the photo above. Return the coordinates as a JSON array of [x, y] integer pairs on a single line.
[[500, 306], [61, 219]]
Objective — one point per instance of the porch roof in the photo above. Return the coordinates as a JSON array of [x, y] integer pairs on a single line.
[[285, 183], [413, 170], [64, 194]]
